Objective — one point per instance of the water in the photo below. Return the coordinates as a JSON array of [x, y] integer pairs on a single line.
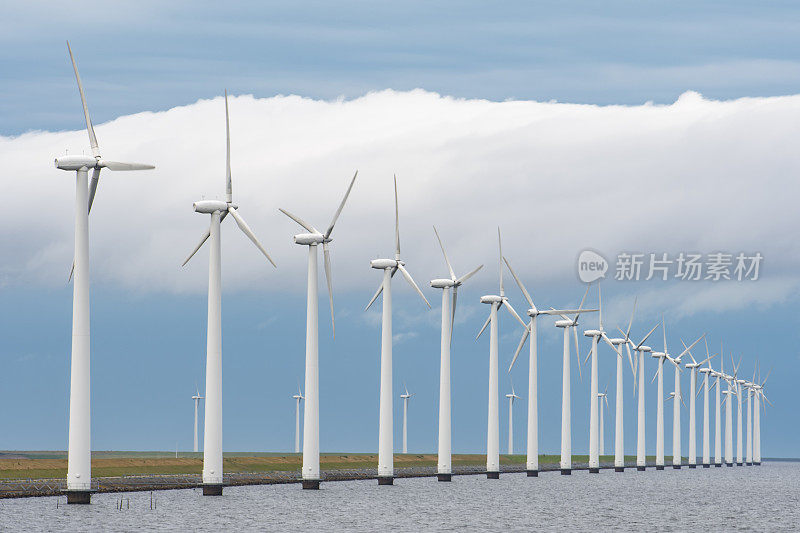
[[761, 498]]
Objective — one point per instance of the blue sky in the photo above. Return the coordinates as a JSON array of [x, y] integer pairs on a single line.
[[148, 319]]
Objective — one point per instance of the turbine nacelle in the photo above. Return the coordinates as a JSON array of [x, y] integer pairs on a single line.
[[310, 239], [209, 207], [75, 162], [492, 299], [383, 264], [443, 283], [565, 323], [658, 354], [644, 349], [592, 333], [617, 341]]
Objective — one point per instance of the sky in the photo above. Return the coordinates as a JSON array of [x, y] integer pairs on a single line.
[[627, 129]]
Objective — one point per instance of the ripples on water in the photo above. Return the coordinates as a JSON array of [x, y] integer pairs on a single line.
[[762, 498]]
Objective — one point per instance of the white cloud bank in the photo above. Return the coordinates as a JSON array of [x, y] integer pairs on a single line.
[[697, 175]]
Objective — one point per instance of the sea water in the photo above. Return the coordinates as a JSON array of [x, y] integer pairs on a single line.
[[760, 498]]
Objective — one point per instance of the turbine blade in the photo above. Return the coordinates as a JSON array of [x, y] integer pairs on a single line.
[[247, 231], [484, 327], [89, 127], [411, 282], [93, 186], [648, 334], [329, 278], [446, 260], [630, 322], [203, 239], [575, 337], [664, 330], [519, 348], [120, 166], [500, 262], [465, 277], [396, 222], [630, 360], [341, 206], [507, 305], [299, 220], [375, 296], [587, 356], [692, 346], [519, 283], [228, 186], [600, 307]]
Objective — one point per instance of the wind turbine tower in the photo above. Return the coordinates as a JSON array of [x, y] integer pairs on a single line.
[[405, 396], [298, 398], [79, 461], [511, 397]]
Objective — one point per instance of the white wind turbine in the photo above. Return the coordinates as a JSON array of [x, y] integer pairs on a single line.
[[405, 397], [758, 396], [660, 406], [493, 423], [707, 372], [389, 267], [619, 455], [693, 366], [298, 398], [602, 397], [566, 407], [79, 466], [196, 399], [312, 239], [212, 439], [676, 406], [532, 464], [640, 349], [717, 411], [511, 397], [748, 386], [444, 463], [737, 386], [728, 415]]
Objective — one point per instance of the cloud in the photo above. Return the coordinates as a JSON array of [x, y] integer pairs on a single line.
[[557, 178]]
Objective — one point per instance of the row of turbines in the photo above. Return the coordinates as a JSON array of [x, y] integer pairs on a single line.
[[79, 486]]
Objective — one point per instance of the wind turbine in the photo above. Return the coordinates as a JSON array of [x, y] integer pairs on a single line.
[[640, 348], [298, 398], [619, 454], [660, 406], [602, 396], [737, 385], [532, 462], [444, 467], [707, 371], [717, 407], [749, 441], [196, 399], [79, 462], [493, 423], [511, 397], [759, 395], [389, 267], [212, 441], [728, 417], [693, 366], [312, 239], [406, 396], [566, 414], [676, 405]]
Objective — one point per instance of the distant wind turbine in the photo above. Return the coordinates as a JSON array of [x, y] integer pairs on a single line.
[[693, 366], [298, 398], [405, 397], [511, 397], [79, 461], [212, 442], [196, 399], [389, 267], [641, 349], [603, 397]]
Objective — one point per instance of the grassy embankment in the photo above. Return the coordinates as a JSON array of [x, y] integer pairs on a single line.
[[43, 465]]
